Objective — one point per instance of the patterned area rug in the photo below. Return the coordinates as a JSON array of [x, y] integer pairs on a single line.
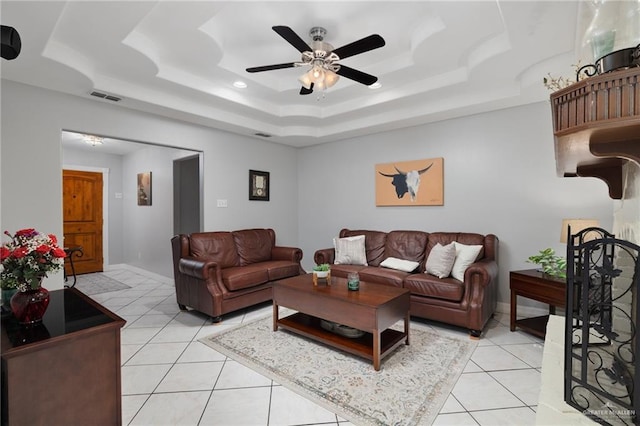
[[97, 283], [412, 385]]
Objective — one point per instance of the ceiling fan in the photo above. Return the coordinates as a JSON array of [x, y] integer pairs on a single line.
[[322, 59]]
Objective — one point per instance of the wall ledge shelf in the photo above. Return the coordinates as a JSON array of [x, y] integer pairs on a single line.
[[596, 127]]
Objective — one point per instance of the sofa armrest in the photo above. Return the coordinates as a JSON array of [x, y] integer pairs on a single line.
[[198, 268], [293, 254], [484, 271], [324, 256]]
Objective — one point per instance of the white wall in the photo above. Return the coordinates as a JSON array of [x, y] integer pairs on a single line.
[[147, 229], [31, 162], [627, 210], [499, 177]]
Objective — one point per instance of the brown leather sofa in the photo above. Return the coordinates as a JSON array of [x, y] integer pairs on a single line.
[[469, 303], [221, 272]]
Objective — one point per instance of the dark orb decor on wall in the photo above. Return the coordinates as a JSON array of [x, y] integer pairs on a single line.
[[11, 43]]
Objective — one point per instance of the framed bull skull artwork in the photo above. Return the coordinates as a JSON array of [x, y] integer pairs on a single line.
[[410, 183]]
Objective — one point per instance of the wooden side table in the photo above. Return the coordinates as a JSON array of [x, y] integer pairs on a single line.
[[537, 286], [65, 370]]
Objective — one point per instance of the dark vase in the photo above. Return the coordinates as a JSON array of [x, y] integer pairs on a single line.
[[29, 306], [7, 294]]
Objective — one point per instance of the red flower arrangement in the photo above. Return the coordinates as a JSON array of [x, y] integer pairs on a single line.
[[28, 258]]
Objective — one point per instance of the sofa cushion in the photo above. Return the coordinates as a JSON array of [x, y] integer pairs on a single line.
[[218, 247], [241, 277], [465, 256], [338, 270], [378, 275], [439, 288], [440, 260], [373, 244], [445, 238], [253, 245], [407, 245], [350, 250], [399, 264], [279, 269]]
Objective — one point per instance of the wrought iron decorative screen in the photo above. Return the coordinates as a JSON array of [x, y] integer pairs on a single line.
[[601, 341]]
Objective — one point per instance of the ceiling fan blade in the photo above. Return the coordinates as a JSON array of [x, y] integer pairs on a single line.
[[355, 75], [305, 91], [272, 67], [366, 44], [293, 38]]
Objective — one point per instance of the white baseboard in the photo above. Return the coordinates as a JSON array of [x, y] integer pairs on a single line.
[[157, 277], [525, 311]]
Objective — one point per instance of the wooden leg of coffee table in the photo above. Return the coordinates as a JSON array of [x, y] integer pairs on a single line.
[[376, 350], [275, 317], [407, 318]]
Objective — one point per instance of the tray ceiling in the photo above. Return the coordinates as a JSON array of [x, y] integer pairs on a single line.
[[180, 59]]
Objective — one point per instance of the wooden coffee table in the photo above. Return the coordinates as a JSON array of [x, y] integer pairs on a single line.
[[373, 309]]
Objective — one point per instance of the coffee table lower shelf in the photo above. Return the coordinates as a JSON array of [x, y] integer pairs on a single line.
[[309, 326]]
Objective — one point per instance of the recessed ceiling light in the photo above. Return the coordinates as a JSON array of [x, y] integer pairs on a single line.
[[375, 85], [240, 84]]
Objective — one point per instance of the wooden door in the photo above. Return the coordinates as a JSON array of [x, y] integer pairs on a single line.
[[82, 207]]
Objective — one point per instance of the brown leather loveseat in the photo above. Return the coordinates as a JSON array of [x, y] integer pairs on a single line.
[[221, 272], [466, 303]]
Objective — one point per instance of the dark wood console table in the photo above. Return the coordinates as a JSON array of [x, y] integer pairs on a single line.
[[535, 285], [66, 370]]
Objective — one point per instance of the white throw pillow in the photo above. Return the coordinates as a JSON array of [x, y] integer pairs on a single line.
[[440, 260], [350, 250], [399, 264], [465, 256]]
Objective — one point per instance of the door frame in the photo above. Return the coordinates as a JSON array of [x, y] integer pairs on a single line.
[[105, 205], [199, 155]]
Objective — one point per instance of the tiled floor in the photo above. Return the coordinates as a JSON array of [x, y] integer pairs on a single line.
[[169, 378]]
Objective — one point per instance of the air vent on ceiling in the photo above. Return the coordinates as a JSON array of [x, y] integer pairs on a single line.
[[264, 135], [106, 96]]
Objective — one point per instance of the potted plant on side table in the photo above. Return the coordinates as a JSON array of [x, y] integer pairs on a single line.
[[551, 264]]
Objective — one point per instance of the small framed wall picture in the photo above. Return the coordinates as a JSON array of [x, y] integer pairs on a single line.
[[258, 185], [144, 189]]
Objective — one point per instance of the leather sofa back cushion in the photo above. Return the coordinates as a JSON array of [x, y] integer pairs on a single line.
[[466, 238], [253, 245], [373, 244], [407, 245], [217, 246]]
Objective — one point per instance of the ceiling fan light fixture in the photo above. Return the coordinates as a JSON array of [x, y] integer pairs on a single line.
[[317, 73], [306, 80], [322, 59], [330, 78]]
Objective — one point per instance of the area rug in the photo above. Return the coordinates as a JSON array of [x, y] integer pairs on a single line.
[[412, 385], [97, 283]]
